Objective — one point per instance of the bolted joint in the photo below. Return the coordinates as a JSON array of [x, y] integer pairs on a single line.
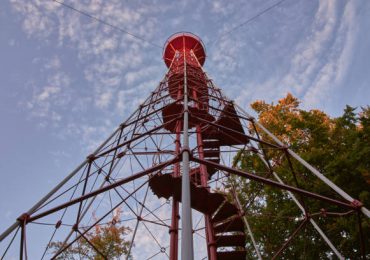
[[357, 204], [122, 125], [58, 224], [139, 218], [91, 158], [75, 227], [121, 154], [23, 218], [173, 230]]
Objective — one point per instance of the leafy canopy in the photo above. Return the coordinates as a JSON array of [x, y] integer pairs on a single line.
[[339, 148]]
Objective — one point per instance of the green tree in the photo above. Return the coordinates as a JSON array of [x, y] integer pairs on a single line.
[[339, 148]]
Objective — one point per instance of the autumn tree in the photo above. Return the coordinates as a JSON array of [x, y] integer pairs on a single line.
[[339, 148], [105, 241]]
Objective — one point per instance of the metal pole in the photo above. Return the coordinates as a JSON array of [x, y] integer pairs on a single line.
[[273, 183], [22, 241], [309, 167], [186, 222]]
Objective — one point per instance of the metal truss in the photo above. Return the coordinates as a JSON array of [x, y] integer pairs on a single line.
[[181, 147]]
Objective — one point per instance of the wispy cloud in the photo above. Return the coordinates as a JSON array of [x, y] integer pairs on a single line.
[[312, 65], [338, 60], [47, 92], [298, 47], [46, 101], [53, 63], [111, 61]]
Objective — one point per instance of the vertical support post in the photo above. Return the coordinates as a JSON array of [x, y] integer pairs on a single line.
[[174, 230], [21, 243], [186, 223], [211, 243], [210, 236], [23, 247]]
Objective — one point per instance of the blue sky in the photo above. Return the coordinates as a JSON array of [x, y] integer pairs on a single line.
[[67, 81]]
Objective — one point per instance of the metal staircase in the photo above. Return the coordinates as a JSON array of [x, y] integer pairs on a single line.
[[226, 217]]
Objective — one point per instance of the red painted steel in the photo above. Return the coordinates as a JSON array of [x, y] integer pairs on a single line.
[[214, 123], [176, 43], [208, 138]]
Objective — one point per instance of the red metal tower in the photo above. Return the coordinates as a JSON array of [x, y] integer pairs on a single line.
[[175, 150]]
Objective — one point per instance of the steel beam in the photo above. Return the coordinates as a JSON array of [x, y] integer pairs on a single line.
[[273, 183]]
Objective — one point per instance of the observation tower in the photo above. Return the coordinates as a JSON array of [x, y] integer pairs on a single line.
[[173, 172]]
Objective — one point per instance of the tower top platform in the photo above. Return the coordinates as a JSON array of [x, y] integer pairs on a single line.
[[180, 41]]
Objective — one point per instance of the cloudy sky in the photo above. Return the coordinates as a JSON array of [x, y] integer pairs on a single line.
[[66, 80]]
